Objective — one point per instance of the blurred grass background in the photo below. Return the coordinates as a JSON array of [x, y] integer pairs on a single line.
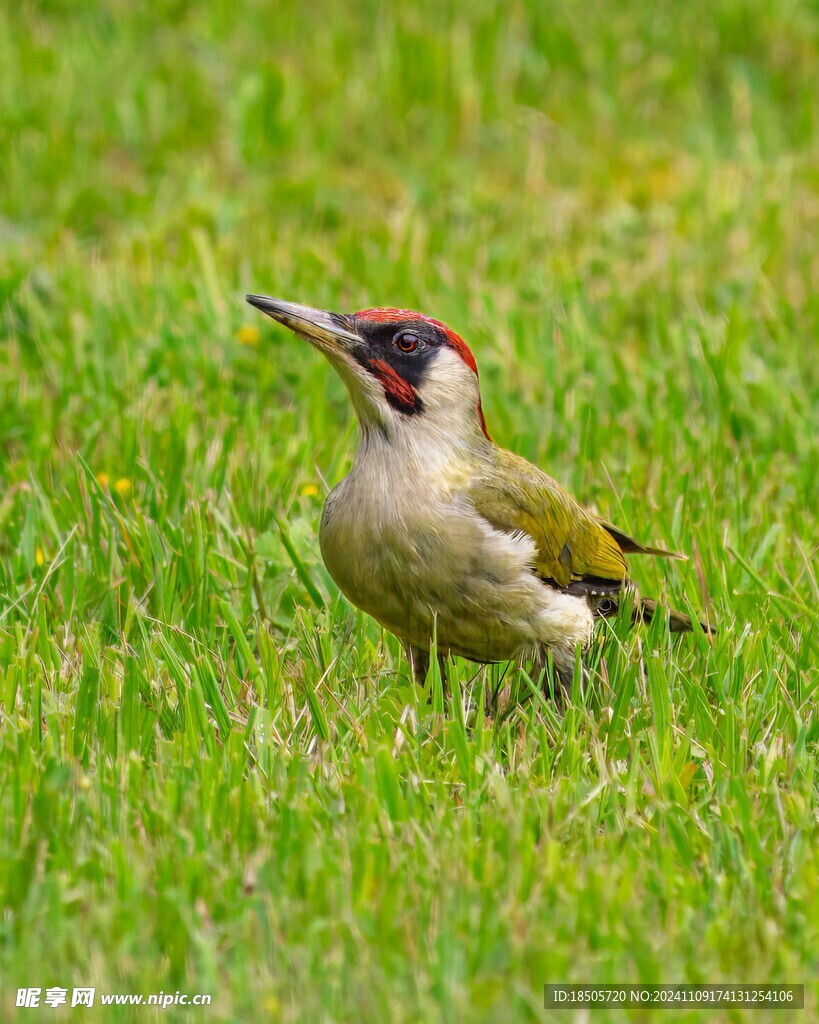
[[214, 774]]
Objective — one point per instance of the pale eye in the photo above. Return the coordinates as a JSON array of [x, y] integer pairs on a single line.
[[406, 341]]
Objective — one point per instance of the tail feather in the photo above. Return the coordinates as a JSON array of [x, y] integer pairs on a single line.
[[678, 622], [630, 546]]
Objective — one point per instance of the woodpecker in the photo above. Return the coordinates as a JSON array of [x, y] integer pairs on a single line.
[[437, 532]]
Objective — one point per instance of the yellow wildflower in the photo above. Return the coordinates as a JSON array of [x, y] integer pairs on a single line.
[[310, 491], [122, 486], [102, 479], [39, 557], [248, 335]]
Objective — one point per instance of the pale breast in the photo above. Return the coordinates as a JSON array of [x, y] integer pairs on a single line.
[[421, 561]]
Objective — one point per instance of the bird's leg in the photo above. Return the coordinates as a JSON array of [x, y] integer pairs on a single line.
[[563, 665], [419, 662], [442, 670]]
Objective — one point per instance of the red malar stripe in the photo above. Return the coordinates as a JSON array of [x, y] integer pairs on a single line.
[[400, 392]]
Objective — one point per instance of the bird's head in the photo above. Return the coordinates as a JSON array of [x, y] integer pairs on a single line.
[[405, 372]]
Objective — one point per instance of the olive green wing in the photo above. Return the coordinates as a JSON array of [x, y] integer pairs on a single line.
[[572, 544]]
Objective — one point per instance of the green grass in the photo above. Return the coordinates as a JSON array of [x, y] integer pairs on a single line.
[[216, 775]]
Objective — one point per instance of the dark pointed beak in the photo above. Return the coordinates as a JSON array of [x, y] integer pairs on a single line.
[[330, 332]]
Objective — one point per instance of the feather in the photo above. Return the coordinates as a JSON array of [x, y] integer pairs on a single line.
[[629, 546]]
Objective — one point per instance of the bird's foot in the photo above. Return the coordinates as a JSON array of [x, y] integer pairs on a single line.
[[419, 662]]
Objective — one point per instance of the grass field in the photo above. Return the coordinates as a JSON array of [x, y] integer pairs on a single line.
[[216, 775]]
